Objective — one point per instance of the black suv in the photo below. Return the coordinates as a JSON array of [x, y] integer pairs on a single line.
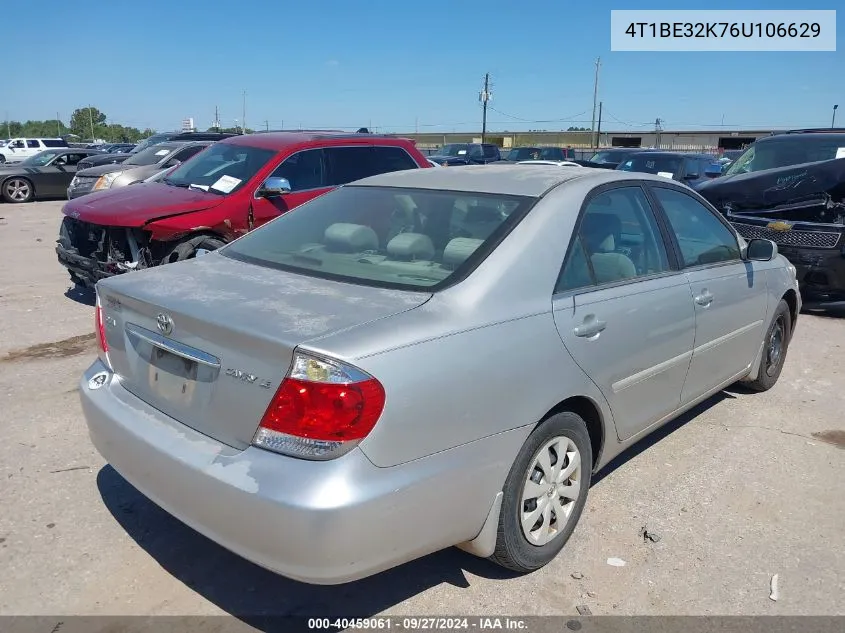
[[155, 139], [539, 153], [790, 188], [466, 154]]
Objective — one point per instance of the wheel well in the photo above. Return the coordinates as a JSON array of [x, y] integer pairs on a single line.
[[591, 415], [792, 301]]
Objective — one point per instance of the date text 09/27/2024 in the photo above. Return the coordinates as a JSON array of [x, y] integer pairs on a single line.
[[418, 623]]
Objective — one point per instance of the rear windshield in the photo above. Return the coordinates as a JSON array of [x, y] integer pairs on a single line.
[[399, 238], [524, 153], [788, 150], [652, 164]]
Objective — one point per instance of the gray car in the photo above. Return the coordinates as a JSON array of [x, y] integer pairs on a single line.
[[427, 358], [137, 168]]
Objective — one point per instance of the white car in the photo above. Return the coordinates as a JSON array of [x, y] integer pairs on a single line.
[[17, 149], [559, 163], [433, 163]]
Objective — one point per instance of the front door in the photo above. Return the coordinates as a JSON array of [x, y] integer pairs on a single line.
[[729, 294], [623, 311], [306, 173]]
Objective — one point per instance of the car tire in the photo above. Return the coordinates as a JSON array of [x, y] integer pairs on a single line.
[[187, 249], [18, 190], [775, 347], [527, 548]]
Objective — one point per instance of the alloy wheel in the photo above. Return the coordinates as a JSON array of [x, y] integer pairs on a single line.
[[18, 189]]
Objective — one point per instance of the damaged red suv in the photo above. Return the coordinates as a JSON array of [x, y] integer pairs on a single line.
[[221, 193]]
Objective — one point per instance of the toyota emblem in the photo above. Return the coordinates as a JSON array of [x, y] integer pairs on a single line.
[[164, 323]]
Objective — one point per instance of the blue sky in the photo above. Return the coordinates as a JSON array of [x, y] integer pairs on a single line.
[[397, 64]]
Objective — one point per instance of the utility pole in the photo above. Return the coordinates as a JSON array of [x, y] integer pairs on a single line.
[[417, 125], [658, 128], [266, 125], [216, 118], [58, 125], [833, 120], [8, 125], [595, 98], [598, 133], [243, 120], [484, 97], [91, 121]]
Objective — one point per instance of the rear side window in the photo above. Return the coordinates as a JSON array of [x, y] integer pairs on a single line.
[[387, 159], [49, 142], [384, 236], [702, 237], [552, 153], [490, 151], [33, 143], [348, 164]]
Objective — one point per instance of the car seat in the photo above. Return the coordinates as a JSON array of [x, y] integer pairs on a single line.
[[600, 233]]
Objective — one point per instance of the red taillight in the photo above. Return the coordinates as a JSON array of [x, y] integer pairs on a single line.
[[321, 410], [100, 328]]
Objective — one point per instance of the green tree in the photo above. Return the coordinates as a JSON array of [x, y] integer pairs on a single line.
[[578, 129], [84, 119]]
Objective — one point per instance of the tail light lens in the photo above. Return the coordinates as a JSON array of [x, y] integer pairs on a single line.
[[322, 409], [100, 329]]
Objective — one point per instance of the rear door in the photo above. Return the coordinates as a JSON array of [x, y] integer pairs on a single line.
[[624, 310], [729, 294]]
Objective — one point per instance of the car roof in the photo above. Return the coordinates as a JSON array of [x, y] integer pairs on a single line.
[[792, 135], [517, 180], [678, 154], [281, 140]]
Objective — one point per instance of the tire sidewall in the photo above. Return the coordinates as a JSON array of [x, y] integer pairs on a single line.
[[764, 378], [523, 553], [11, 200]]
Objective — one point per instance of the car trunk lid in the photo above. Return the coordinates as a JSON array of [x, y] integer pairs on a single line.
[[208, 341]]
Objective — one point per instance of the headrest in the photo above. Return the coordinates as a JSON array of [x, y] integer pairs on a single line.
[[411, 246], [459, 249], [599, 231], [351, 237]]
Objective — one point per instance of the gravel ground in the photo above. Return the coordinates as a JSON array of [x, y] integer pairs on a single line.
[[743, 487]]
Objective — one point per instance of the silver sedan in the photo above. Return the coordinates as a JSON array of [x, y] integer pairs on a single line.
[[428, 358]]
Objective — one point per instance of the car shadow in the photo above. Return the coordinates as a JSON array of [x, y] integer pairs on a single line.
[[821, 310], [255, 595], [80, 294]]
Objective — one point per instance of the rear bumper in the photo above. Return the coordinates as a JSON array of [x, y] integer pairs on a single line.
[[317, 522]]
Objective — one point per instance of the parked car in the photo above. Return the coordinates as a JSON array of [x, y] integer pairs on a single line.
[[518, 154], [558, 163], [612, 158], [433, 163], [44, 175], [234, 186], [467, 154], [18, 149], [790, 188], [135, 169], [111, 158], [690, 169], [331, 367]]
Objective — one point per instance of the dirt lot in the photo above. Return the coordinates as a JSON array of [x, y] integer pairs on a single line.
[[744, 487]]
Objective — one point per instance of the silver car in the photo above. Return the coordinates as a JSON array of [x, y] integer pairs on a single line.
[[427, 358], [136, 169]]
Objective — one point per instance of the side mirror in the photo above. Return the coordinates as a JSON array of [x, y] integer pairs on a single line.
[[761, 250], [171, 163], [713, 171], [273, 187]]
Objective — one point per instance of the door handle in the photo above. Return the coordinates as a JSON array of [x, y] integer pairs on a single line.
[[704, 299], [590, 328]]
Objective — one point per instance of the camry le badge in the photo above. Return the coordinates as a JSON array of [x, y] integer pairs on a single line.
[[164, 324]]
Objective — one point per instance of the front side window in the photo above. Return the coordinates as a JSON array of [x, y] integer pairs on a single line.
[[304, 170], [40, 159], [618, 239], [401, 238], [703, 237], [221, 169]]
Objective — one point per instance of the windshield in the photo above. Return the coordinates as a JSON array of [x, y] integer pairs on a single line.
[[524, 153], [609, 157], [400, 238], [149, 156], [454, 149], [220, 169], [40, 159], [661, 165], [147, 142], [786, 151]]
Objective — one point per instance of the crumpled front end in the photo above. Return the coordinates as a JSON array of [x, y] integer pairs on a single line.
[[91, 252], [801, 209]]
